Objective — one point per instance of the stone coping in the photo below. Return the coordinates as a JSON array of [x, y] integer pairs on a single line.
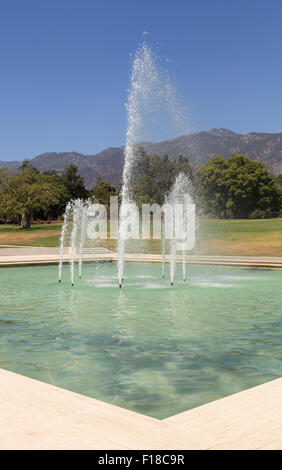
[[40, 255], [36, 415]]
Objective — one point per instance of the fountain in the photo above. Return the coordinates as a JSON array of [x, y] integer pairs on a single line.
[[177, 224], [151, 96], [75, 222], [181, 220], [151, 100], [66, 219]]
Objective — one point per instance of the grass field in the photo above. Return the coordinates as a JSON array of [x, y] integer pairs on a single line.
[[261, 237], [38, 235]]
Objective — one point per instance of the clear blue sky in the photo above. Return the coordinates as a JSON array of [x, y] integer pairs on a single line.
[[64, 67]]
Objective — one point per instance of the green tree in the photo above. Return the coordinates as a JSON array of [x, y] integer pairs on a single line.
[[238, 186], [24, 165], [74, 183], [55, 209], [212, 189], [26, 193], [153, 176], [103, 191], [279, 180]]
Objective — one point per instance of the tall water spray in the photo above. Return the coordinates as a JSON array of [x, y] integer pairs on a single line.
[[163, 244], [77, 215], [152, 112], [180, 199], [67, 218], [76, 220], [83, 230]]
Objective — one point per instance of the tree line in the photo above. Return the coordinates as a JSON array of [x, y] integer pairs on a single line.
[[29, 194], [237, 187]]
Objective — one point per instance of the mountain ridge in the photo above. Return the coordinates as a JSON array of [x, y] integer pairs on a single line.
[[198, 147]]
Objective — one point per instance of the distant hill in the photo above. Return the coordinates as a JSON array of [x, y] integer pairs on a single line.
[[107, 164], [198, 147]]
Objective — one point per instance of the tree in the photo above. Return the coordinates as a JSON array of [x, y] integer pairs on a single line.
[[238, 185], [152, 176], [74, 183], [279, 180], [24, 165], [212, 189], [103, 191], [27, 192], [183, 166], [55, 209], [250, 187]]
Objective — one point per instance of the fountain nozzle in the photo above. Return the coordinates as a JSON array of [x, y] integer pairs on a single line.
[[59, 280], [171, 283]]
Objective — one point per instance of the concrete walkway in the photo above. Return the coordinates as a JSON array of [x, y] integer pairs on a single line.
[[41, 255], [35, 415]]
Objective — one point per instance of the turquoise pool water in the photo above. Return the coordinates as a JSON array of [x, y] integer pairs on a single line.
[[148, 347]]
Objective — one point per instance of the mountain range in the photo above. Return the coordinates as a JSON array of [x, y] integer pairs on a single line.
[[198, 147]]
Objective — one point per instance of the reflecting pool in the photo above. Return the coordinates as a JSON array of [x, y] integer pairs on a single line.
[[148, 347]]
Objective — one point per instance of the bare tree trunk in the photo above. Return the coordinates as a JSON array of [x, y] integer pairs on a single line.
[[25, 222]]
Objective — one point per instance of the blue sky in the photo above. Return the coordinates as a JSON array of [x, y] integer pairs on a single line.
[[64, 68]]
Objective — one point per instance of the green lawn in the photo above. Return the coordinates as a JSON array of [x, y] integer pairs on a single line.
[[261, 237], [38, 235]]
